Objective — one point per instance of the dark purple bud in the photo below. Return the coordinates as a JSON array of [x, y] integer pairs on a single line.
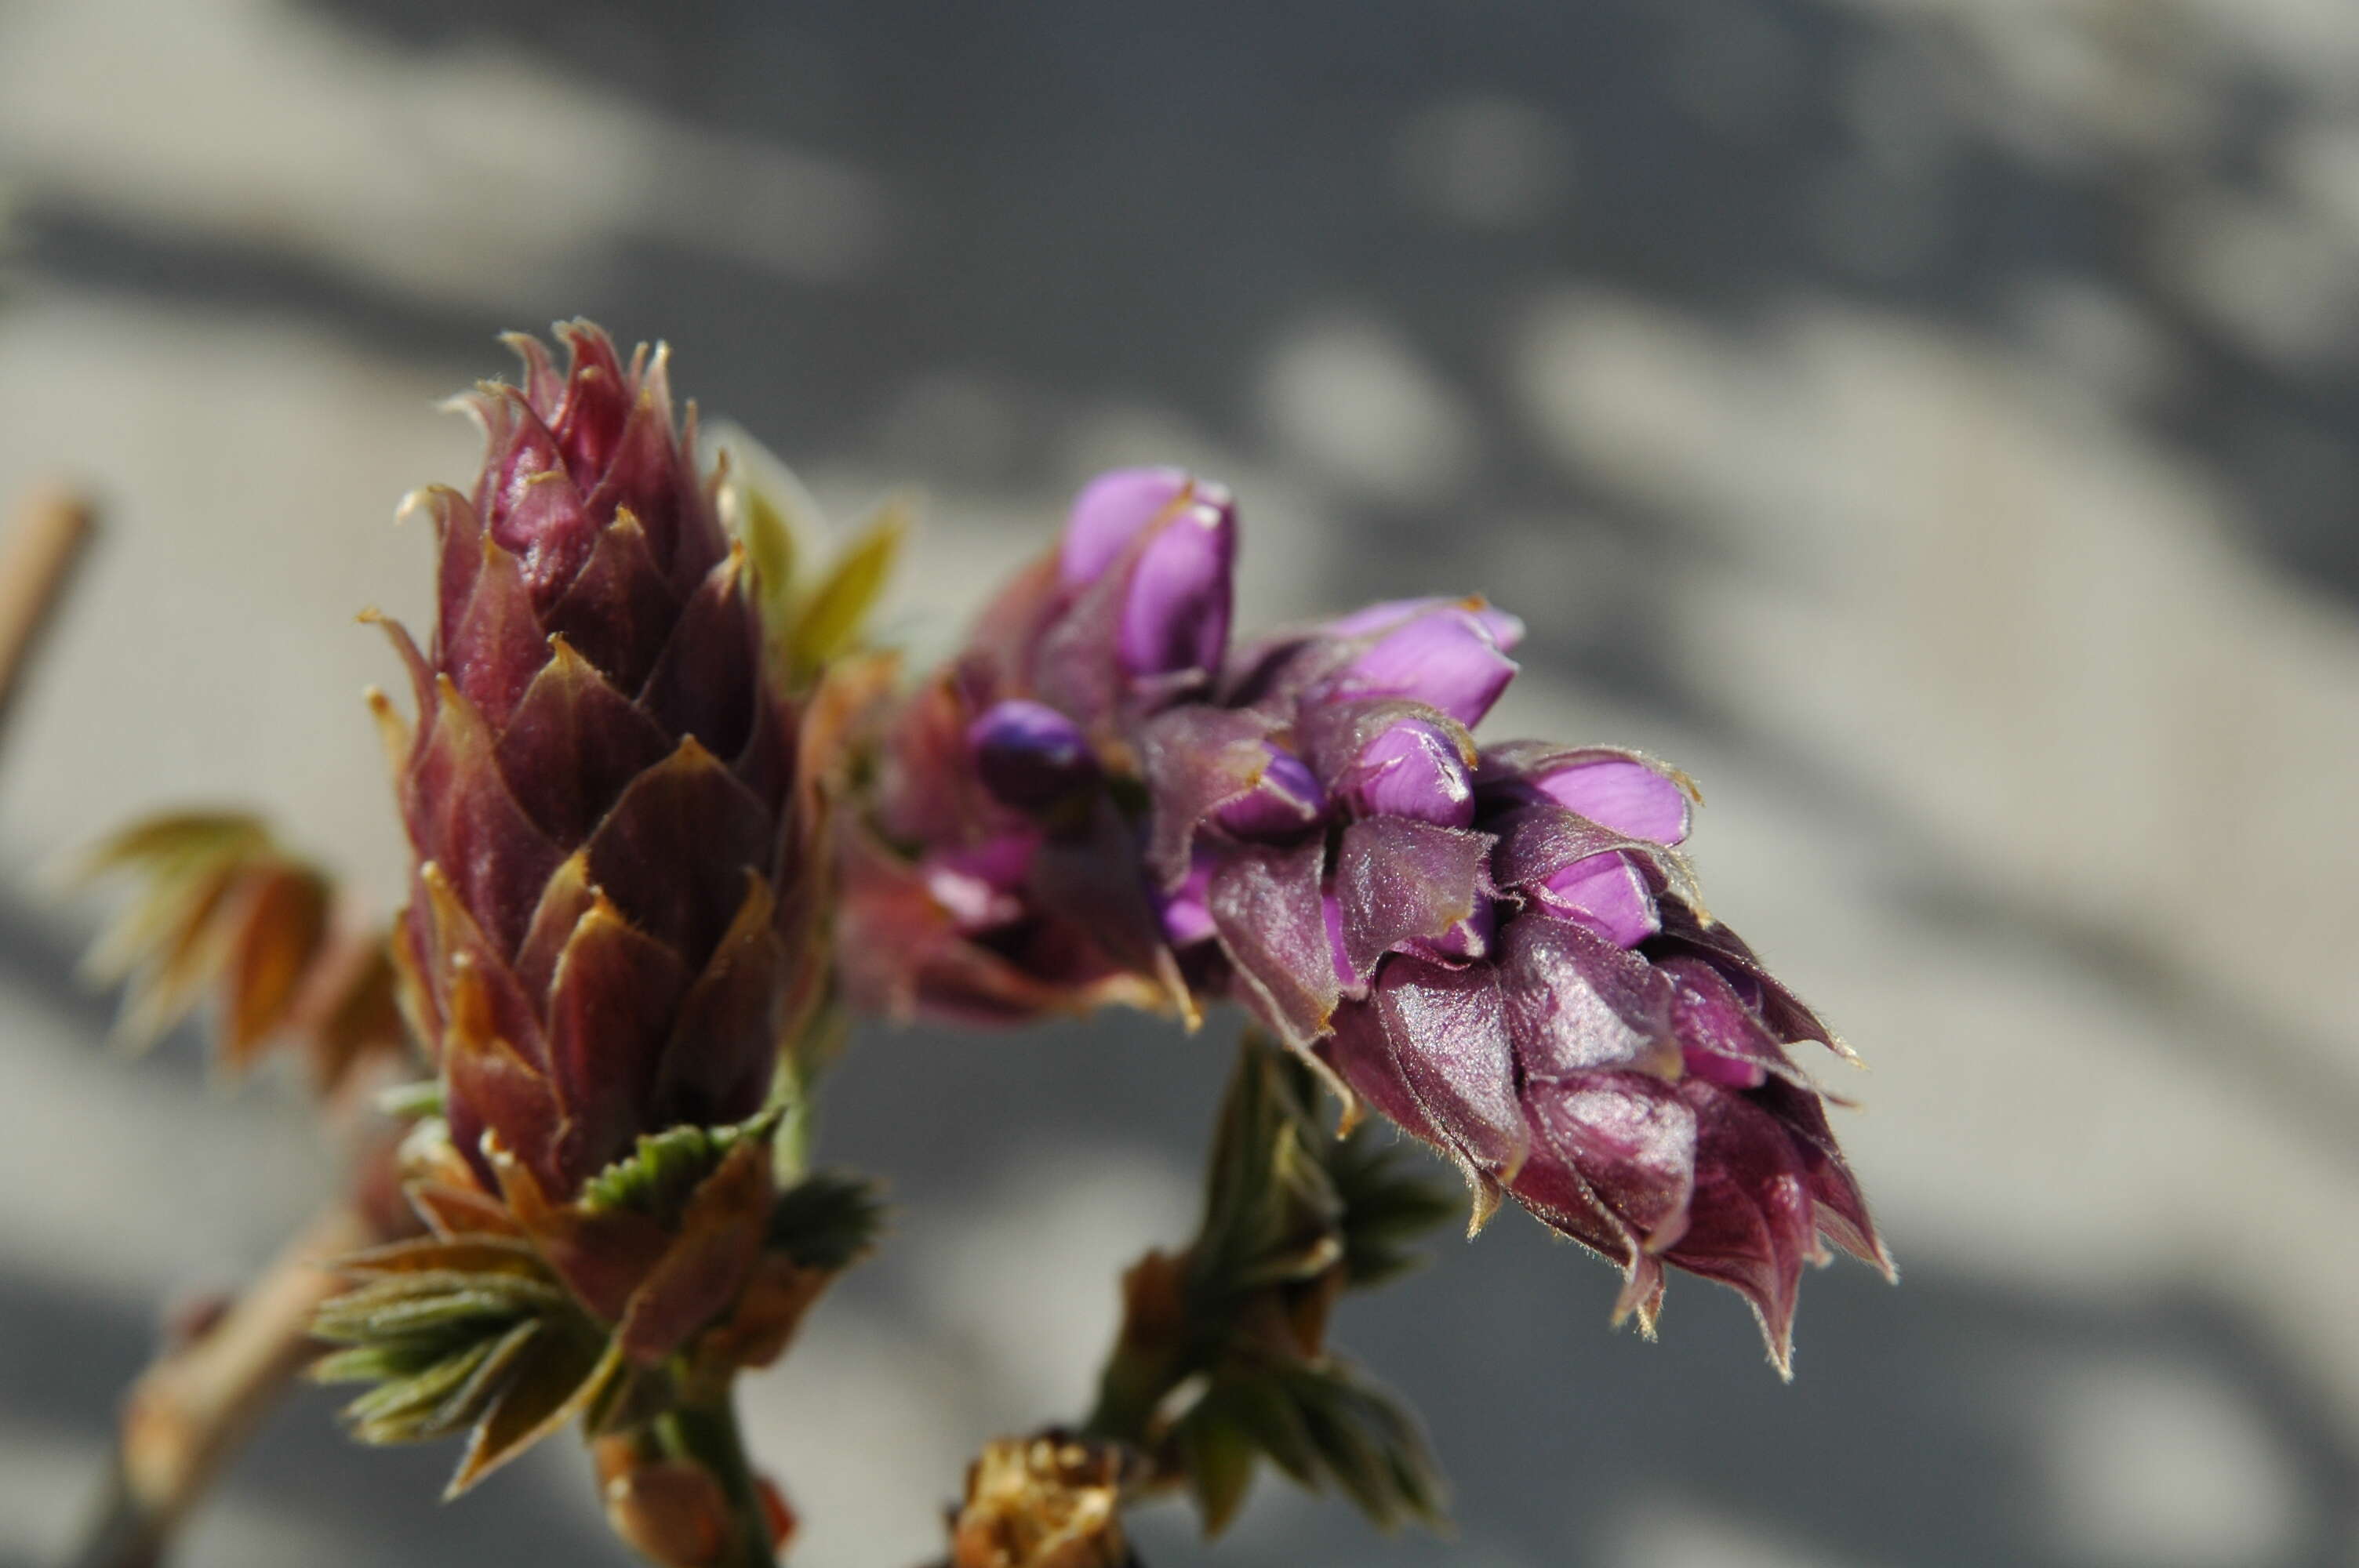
[[1413, 770], [1449, 656], [1284, 801], [1029, 755], [1175, 616], [1623, 794]]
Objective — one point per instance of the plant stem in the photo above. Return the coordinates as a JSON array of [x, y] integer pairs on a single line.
[[51, 527], [707, 1431], [197, 1402]]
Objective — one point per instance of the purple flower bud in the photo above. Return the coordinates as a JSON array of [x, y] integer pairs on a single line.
[[1029, 755], [1175, 616], [1110, 511], [1604, 893], [1284, 801], [1412, 769], [1621, 794], [1187, 909], [1449, 656]]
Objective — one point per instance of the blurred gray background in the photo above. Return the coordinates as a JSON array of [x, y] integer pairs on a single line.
[[1933, 422]]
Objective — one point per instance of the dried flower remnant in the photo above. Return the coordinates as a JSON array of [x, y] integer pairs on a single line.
[[1502, 948], [1049, 1501]]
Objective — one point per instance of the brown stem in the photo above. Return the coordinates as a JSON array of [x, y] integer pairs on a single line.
[[52, 525], [197, 1403]]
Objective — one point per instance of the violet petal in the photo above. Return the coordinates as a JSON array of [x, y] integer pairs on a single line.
[[1412, 769], [1448, 658], [1176, 616], [1109, 512], [1283, 801], [1604, 893], [1627, 796]]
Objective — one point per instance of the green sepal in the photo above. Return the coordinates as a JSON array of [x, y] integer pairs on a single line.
[[1217, 1453], [657, 1177], [1390, 1203], [827, 1221], [1367, 1444]]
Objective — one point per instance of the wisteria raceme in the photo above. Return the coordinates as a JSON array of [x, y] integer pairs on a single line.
[[1500, 949]]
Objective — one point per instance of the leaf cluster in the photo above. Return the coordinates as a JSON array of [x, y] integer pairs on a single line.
[[459, 1333], [812, 619], [221, 905], [1293, 1215]]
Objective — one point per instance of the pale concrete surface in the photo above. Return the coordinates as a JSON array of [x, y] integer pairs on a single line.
[[1933, 423]]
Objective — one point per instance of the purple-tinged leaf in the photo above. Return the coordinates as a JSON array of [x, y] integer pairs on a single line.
[[705, 681], [725, 1039], [674, 851], [1265, 906], [1194, 759], [573, 744], [1576, 1003], [610, 1011], [462, 815], [1402, 882], [1447, 1028], [619, 610]]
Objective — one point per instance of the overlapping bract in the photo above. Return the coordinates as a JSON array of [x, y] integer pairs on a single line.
[[608, 928], [1501, 949]]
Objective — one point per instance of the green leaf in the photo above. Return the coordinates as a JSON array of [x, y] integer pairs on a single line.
[[1218, 1455], [408, 1304], [657, 1177], [1390, 1202], [1263, 1409], [827, 1221], [395, 1400], [1367, 1444], [770, 545], [411, 1102], [830, 620]]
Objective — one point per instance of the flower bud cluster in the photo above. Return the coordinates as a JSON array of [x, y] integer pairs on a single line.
[[1500, 948]]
